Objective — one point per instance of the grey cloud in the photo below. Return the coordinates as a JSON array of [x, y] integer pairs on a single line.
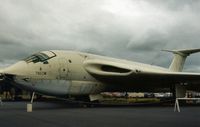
[[177, 5], [152, 41], [130, 29], [6, 42]]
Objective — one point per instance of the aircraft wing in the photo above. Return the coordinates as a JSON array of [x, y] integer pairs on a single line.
[[116, 72]]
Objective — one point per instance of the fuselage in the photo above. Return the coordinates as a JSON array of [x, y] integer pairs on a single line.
[[63, 73]]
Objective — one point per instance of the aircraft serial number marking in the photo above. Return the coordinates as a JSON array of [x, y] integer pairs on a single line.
[[41, 73]]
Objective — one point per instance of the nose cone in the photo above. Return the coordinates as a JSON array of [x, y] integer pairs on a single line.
[[20, 68]]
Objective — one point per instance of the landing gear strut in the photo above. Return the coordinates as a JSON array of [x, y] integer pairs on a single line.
[[32, 97]]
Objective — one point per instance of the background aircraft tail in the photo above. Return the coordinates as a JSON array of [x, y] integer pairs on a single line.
[[179, 58]]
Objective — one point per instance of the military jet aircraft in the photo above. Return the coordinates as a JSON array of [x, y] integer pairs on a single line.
[[63, 73]]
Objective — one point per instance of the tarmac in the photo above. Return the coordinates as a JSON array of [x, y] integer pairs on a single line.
[[55, 114]]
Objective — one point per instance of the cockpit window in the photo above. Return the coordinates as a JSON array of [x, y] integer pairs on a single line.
[[40, 57]]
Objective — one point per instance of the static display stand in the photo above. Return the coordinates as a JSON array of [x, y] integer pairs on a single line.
[[30, 106], [177, 107]]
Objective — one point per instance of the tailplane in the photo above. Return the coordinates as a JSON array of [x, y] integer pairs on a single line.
[[179, 58]]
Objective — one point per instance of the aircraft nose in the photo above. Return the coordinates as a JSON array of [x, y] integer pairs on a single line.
[[20, 68]]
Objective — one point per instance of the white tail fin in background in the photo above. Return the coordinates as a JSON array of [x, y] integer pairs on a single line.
[[179, 58]]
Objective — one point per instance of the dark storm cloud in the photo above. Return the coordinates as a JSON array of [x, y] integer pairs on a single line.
[[129, 29]]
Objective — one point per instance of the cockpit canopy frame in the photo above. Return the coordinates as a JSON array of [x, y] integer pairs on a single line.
[[40, 57]]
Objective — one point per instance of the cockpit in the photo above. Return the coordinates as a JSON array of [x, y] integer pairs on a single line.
[[40, 57]]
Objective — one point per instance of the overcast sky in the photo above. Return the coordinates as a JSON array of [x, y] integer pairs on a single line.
[[129, 29]]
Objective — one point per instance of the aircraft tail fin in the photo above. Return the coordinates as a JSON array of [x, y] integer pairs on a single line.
[[179, 58]]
